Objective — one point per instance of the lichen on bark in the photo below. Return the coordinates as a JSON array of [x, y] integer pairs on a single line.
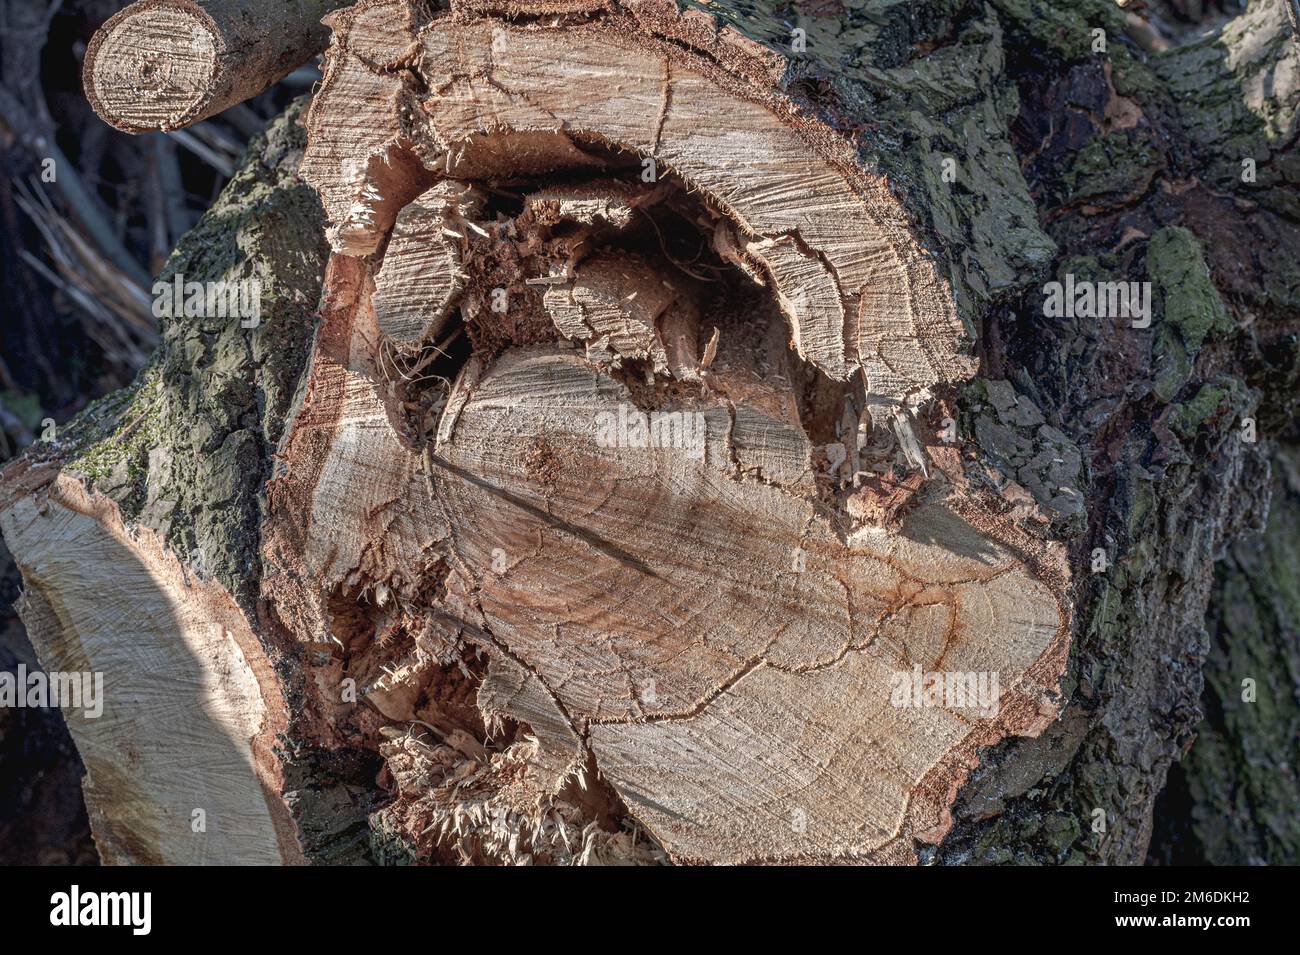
[[193, 436], [1157, 413]]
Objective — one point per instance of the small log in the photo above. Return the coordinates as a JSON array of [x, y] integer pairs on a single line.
[[166, 64]]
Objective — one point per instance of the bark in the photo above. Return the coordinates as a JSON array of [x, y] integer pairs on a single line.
[[565, 653], [1137, 174], [1232, 800], [167, 64]]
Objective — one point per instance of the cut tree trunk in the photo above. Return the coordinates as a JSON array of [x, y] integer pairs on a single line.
[[638, 500], [166, 64], [170, 513], [693, 581]]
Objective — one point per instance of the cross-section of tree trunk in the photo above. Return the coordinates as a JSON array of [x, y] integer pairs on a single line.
[[182, 678], [166, 64], [664, 531]]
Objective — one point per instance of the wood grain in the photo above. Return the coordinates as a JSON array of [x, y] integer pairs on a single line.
[[191, 703], [167, 64]]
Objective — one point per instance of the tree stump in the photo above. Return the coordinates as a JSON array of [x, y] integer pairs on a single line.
[[686, 466]]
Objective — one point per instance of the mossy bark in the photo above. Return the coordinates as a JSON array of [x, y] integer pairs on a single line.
[[1118, 160], [186, 450], [1232, 801]]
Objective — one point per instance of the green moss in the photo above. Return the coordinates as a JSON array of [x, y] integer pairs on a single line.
[[1187, 306], [1190, 302], [1133, 78], [1060, 830], [226, 389], [1060, 29], [117, 463], [1120, 163], [1238, 98], [1212, 400], [1084, 268]]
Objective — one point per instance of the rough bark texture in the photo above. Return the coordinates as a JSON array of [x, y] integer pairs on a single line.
[[186, 450], [1122, 164], [1232, 799], [1109, 165]]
